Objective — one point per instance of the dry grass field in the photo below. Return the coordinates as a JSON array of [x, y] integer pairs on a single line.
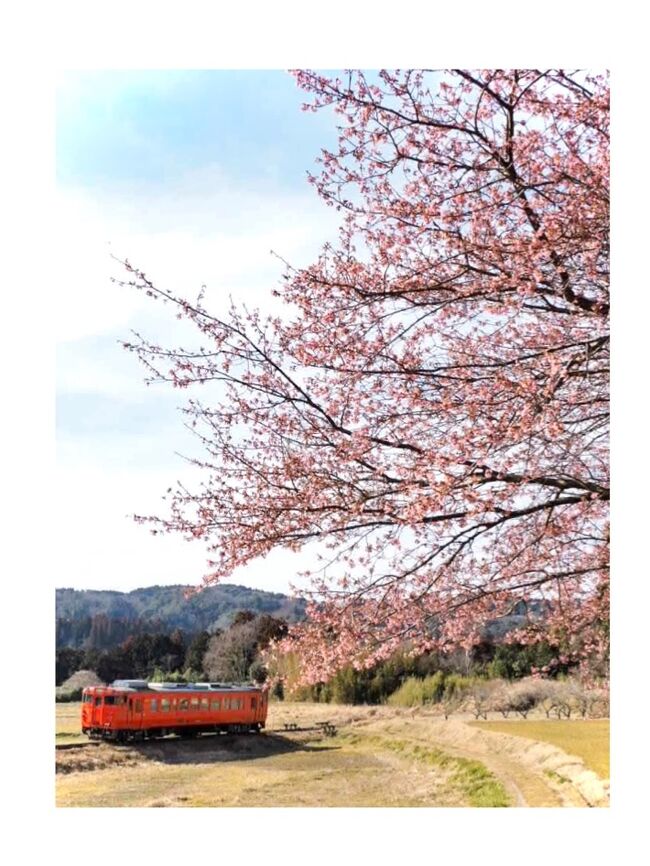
[[588, 739], [68, 729], [380, 756]]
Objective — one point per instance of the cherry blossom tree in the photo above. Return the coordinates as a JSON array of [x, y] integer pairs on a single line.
[[430, 409]]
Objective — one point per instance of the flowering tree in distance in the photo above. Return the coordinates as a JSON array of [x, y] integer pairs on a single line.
[[432, 407]]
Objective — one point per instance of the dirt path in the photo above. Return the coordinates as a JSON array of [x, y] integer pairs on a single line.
[[526, 787], [534, 773]]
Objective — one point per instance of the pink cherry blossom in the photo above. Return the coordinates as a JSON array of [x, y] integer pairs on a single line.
[[433, 413]]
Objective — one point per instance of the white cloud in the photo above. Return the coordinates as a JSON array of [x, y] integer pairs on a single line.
[[99, 545], [199, 230]]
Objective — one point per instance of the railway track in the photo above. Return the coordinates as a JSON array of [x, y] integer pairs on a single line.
[[63, 747], [326, 728]]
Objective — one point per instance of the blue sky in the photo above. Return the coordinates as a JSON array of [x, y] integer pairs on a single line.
[[116, 127], [195, 176]]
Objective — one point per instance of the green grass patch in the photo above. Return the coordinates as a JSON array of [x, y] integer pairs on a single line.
[[587, 739], [555, 777], [479, 784]]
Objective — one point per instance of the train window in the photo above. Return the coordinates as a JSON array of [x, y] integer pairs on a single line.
[[205, 704], [183, 704], [98, 701], [226, 703], [215, 705], [195, 703], [109, 700], [154, 706], [138, 706], [164, 705], [87, 699]]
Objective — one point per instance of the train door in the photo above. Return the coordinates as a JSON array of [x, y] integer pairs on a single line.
[[259, 715], [257, 706], [134, 713], [96, 712], [87, 701]]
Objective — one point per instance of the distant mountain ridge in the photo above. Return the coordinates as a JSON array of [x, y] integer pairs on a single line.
[[162, 608], [102, 619]]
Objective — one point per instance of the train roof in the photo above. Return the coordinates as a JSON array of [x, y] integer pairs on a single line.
[[144, 686]]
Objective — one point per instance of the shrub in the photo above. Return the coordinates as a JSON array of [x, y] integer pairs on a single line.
[[72, 688], [551, 697], [409, 694], [456, 685], [434, 687], [448, 689], [523, 696], [484, 696], [65, 697], [186, 676], [575, 696], [258, 672]]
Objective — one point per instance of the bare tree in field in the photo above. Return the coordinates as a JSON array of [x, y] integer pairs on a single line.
[[231, 654]]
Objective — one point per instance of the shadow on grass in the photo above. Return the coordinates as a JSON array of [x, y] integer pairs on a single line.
[[221, 748]]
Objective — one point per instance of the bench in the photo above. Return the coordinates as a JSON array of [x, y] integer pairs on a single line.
[[291, 726], [327, 728]]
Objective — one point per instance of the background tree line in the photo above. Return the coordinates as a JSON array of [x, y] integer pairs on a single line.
[[231, 655], [488, 660]]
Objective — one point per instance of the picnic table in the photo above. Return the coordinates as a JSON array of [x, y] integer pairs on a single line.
[[327, 727]]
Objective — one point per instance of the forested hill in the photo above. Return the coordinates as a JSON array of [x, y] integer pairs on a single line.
[[104, 618]]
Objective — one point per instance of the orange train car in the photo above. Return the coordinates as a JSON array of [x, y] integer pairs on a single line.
[[137, 710]]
